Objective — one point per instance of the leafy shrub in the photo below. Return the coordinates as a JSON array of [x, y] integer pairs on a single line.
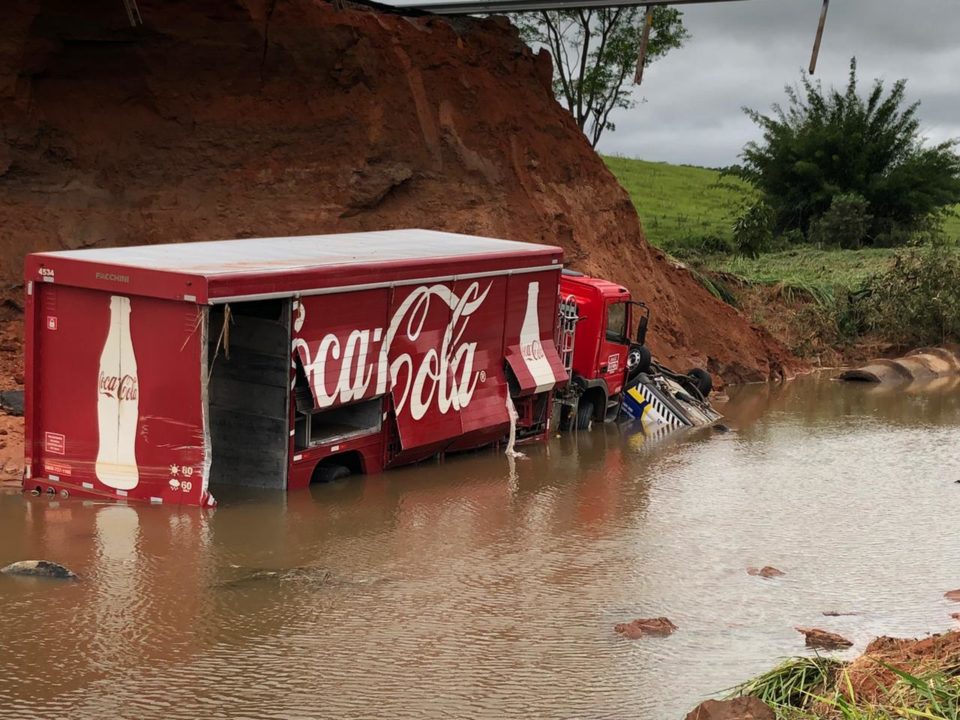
[[928, 230], [828, 142], [917, 301], [753, 230], [845, 223]]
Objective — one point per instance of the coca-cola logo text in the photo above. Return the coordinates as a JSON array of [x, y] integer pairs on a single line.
[[532, 350], [443, 376], [122, 387]]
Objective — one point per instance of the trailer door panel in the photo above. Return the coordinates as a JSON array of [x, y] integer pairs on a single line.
[[118, 388], [487, 408]]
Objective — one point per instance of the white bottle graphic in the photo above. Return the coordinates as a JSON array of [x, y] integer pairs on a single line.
[[118, 402], [530, 347]]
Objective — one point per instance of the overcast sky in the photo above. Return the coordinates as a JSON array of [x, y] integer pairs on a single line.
[[743, 53]]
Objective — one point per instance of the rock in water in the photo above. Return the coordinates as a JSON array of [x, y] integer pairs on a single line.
[[952, 595], [282, 575], [741, 708], [817, 638], [767, 571], [38, 568], [645, 626], [11, 401]]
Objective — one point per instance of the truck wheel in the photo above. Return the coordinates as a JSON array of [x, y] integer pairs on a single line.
[[701, 381], [638, 360], [329, 473], [584, 414]]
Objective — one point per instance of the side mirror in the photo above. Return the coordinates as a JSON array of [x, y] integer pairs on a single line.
[[642, 330], [642, 323]]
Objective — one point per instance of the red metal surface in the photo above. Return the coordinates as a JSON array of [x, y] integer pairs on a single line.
[[437, 349], [67, 383], [369, 448], [592, 351], [53, 269], [431, 336], [518, 357], [30, 433]]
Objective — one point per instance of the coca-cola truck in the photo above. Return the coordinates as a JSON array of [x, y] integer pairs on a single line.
[[154, 372]]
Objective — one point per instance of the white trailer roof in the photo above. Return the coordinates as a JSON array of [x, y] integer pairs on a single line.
[[221, 257]]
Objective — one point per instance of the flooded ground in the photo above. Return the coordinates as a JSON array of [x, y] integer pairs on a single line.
[[480, 589]]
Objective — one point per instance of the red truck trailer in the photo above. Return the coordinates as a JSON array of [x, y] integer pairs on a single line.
[[154, 372]]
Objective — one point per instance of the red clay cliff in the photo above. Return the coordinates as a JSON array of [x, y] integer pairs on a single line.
[[246, 118]]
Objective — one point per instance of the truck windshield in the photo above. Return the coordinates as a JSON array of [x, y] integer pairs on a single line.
[[617, 322]]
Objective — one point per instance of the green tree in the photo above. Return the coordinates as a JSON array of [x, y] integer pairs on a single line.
[[830, 143], [594, 51]]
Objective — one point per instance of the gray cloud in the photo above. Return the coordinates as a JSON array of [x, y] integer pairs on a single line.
[[743, 53]]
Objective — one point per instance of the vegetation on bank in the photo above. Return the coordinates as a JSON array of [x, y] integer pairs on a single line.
[[820, 688], [817, 298], [841, 218]]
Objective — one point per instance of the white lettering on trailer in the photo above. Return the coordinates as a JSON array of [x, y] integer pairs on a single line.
[[445, 374]]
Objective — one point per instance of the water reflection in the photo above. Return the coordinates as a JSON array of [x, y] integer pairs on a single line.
[[488, 587]]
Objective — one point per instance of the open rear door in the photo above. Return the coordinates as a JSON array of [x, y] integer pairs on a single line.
[[119, 395], [531, 351]]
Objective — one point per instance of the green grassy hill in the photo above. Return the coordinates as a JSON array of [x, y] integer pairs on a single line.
[[680, 203], [689, 212]]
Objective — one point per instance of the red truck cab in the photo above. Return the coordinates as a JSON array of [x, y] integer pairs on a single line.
[[602, 346]]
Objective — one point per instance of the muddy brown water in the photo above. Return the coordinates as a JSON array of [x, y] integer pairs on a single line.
[[477, 588]]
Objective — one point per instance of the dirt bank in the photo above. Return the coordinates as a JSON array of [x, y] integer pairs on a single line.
[[893, 678], [224, 119]]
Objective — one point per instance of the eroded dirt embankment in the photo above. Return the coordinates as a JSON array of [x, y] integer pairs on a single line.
[[220, 119]]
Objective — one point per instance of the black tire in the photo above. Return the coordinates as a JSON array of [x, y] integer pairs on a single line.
[[329, 473], [584, 414], [638, 360], [701, 381]]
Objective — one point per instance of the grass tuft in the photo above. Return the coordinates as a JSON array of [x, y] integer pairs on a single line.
[[791, 683], [822, 689]]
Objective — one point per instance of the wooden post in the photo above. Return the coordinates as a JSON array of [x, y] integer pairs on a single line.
[[816, 43], [644, 41]]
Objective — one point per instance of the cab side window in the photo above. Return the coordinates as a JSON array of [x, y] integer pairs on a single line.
[[617, 322]]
